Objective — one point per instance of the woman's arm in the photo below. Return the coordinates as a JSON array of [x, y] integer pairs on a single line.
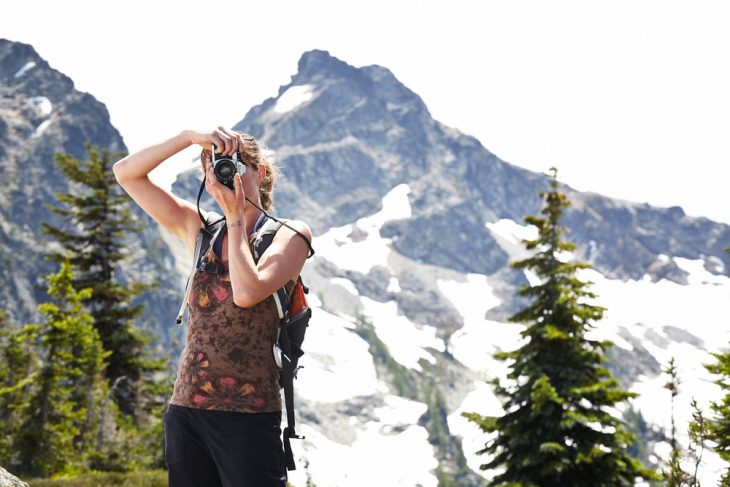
[[282, 262], [251, 283], [173, 213]]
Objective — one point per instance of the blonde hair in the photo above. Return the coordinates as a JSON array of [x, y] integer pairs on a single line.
[[255, 155]]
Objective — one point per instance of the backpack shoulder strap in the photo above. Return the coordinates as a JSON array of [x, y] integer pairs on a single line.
[[264, 236], [213, 224], [291, 337]]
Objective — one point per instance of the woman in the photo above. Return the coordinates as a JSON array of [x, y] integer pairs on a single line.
[[223, 423]]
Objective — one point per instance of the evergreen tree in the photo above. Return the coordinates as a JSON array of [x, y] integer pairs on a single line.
[[698, 433], [675, 476], [719, 424], [16, 360], [52, 419], [99, 218], [557, 429]]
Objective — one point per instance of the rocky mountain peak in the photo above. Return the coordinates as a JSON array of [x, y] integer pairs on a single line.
[[376, 82], [318, 64], [23, 70]]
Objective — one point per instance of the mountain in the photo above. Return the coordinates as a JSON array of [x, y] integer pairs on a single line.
[[41, 113], [415, 224]]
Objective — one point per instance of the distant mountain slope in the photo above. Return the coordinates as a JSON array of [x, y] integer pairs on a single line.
[[41, 113]]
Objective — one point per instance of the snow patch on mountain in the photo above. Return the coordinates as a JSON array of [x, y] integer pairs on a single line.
[[698, 274], [475, 343], [43, 104], [509, 236], [407, 342], [511, 232], [26, 67], [483, 401], [338, 365], [665, 303], [41, 128], [293, 97], [362, 256], [393, 285]]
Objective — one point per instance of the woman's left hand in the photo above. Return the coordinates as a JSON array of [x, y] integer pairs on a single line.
[[231, 202]]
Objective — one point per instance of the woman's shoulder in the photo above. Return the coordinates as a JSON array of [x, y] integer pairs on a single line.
[[300, 226], [294, 230]]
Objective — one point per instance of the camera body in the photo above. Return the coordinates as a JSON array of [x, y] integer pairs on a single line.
[[225, 167]]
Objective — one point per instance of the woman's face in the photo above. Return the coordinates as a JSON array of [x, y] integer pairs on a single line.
[[251, 180]]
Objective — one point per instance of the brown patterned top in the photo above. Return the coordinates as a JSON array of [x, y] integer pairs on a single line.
[[227, 363]]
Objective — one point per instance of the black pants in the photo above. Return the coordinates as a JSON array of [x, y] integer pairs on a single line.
[[223, 448]]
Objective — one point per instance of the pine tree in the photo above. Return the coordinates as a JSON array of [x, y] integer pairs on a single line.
[[557, 429], [53, 428], [719, 424], [698, 432], [16, 361], [99, 218], [675, 476]]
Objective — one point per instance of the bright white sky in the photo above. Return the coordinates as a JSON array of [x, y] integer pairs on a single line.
[[629, 99]]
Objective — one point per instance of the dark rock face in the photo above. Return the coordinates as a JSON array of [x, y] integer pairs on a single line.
[[628, 238], [41, 114], [627, 365]]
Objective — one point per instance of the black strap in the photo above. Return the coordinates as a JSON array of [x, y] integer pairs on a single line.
[[203, 219], [267, 215], [264, 236], [287, 372], [218, 242], [212, 234]]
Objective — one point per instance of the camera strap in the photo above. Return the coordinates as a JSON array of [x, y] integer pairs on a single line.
[[206, 224]]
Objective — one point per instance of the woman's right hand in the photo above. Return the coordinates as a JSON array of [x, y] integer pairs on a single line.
[[226, 141]]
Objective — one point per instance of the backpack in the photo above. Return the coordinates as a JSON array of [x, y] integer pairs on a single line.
[[292, 308]]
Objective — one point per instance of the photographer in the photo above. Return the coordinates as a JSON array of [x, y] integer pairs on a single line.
[[223, 423]]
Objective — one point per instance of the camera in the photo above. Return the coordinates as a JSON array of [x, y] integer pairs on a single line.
[[225, 167]]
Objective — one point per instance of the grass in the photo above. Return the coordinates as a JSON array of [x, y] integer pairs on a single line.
[[144, 478]]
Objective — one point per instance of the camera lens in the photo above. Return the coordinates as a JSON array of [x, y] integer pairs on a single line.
[[224, 169]]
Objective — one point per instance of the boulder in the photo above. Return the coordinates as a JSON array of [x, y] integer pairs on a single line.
[[9, 480]]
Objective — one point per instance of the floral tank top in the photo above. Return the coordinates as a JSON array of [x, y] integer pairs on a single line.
[[227, 362]]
